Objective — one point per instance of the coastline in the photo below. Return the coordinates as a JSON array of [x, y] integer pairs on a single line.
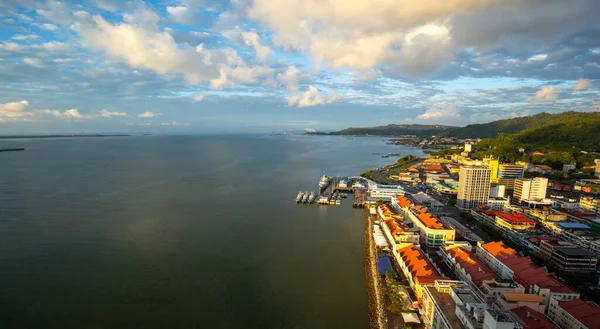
[[377, 315]]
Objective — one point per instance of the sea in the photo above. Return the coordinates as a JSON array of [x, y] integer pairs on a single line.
[[182, 231]]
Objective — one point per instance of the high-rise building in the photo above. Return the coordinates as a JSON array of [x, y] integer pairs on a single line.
[[597, 161], [530, 189], [473, 186], [504, 173]]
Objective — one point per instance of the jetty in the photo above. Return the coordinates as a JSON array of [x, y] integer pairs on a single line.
[[13, 149], [337, 187]]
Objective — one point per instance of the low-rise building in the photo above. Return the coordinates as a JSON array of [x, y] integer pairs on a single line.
[[589, 204], [394, 229], [433, 233], [492, 289], [509, 301], [568, 257], [453, 305], [385, 192], [417, 269], [466, 265], [509, 265], [574, 314], [425, 200], [532, 319]]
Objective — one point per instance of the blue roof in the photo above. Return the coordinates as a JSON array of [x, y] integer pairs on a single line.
[[573, 226], [384, 264]]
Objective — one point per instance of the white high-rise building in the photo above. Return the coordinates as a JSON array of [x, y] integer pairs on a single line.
[[530, 189], [473, 186]]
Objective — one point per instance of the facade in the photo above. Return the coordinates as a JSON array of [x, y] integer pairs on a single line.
[[509, 301], [385, 192], [568, 257], [453, 305], [432, 232], [417, 269], [589, 204], [597, 171], [492, 289], [473, 186], [567, 167], [510, 170], [574, 314], [515, 222], [536, 280], [466, 265], [530, 189], [394, 229]]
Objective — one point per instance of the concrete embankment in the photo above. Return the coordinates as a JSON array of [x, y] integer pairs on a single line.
[[377, 317]]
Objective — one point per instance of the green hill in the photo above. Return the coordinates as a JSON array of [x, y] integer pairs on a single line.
[[396, 130], [515, 125]]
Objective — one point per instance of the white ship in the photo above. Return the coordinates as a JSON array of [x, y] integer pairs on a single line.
[[323, 182], [305, 197], [299, 197], [311, 197]]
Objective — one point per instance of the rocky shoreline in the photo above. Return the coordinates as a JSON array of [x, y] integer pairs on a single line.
[[377, 314]]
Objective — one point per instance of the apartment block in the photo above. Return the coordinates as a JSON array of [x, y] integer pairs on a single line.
[[569, 257], [574, 314], [533, 189], [473, 186]]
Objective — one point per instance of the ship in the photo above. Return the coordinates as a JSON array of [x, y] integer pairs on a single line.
[[311, 197], [344, 195], [323, 200], [299, 197], [305, 197], [324, 182]]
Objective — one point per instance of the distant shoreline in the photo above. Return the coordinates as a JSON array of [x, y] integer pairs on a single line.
[[61, 136]]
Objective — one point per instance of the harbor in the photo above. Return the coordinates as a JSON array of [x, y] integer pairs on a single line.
[[333, 189]]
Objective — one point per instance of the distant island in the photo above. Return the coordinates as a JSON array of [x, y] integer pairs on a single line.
[[61, 136]]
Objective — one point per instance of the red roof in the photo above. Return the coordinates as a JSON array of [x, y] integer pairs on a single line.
[[586, 313], [472, 265], [514, 218], [524, 269], [533, 319]]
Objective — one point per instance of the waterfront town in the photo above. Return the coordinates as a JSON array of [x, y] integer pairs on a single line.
[[457, 243]]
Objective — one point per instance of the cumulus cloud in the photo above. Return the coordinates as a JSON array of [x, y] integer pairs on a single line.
[[311, 97], [32, 61], [107, 114], [148, 115], [538, 58], [582, 84], [16, 111], [262, 52], [68, 114], [546, 94], [289, 78], [179, 14], [198, 97], [25, 37]]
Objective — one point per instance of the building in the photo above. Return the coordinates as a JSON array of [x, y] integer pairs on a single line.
[[589, 204], [492, 289], [568, 257], [473, 186], [532, 319], [568, 167], [510, 266], [510, 170], [597, 171], [504, 173], [417, 269], [394, 229], [425, 200], [510, 301], [385, 192], [466, 265], [515, 222], [530, 189], [574, 314], [433, 233], [453, 305], [497, 191]]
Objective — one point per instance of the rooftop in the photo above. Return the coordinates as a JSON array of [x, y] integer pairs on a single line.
[[447, 305], [513, 297], [427, 218], [574, 251], [472, 265], [586, 313], [573, 226], [416, 262], [533, 319]]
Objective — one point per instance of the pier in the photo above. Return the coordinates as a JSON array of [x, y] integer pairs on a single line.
[[13, 149], [358, 186]]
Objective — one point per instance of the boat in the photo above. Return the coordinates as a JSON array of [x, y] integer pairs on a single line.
[[338, 201], [375, 153], [305, 197], [385, 156], [324, 182], [299, 197], [311, 197], [394, 154], [344, 195], [323, 200]]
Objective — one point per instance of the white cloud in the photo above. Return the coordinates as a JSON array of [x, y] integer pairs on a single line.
[[538, 58], [148, 115], [179, 14], [582, 84], [48, 27], [32, 61], [262, 52], [546, 94], [438, 114], [311, 97], [198, 97], [24, 37], [107, 114], [175, 124], [16, 111], [68, 114], [289, 78]]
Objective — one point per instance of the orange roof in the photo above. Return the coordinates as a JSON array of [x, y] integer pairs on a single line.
[[586, 313], [514, 218], [416, 262], [427, 218], [497, 248], [533, 319], [404, 202], [472, 265], [513, 297]]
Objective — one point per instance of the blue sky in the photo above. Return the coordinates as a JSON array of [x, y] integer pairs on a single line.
[[281, 65]]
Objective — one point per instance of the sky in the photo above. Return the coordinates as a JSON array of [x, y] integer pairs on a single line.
[[208, 66]]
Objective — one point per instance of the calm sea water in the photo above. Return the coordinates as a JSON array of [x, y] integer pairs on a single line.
[[181, 232]]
